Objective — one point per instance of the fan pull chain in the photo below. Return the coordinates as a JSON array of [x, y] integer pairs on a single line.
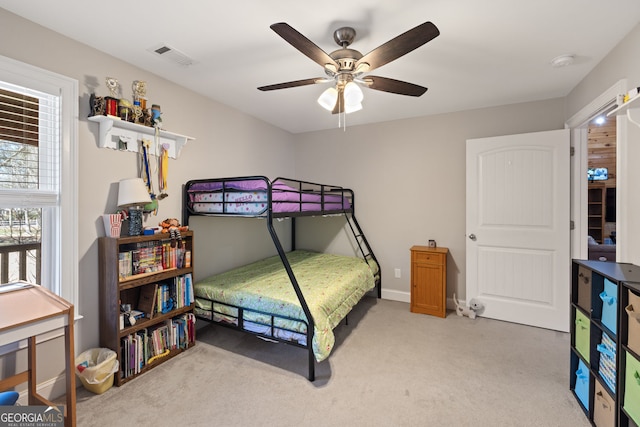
[[342, 117]]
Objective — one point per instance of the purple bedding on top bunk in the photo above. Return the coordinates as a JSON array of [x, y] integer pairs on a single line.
[[249, 196]]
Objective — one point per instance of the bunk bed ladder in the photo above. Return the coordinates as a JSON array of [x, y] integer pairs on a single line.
[[363, 245]]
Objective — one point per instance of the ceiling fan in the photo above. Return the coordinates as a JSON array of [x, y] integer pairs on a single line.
[[347, 67]]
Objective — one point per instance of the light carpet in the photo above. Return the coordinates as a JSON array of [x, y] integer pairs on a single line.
[[390, 367]]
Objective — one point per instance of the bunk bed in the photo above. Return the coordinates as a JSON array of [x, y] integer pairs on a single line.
[[296, 297]]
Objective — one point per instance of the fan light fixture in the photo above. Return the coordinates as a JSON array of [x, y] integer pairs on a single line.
[[328, 98], [346, 66], [353, 97]]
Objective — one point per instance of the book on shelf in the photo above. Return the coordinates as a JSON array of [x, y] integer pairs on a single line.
[[139, 347], [124, 264], [147, 300], [152, 256], [175, 294], [187, 259]]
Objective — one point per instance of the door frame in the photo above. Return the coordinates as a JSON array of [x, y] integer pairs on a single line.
[[579, 185]]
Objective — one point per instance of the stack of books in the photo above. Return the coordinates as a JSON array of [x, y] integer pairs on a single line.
[[142, 347], [153, 256]]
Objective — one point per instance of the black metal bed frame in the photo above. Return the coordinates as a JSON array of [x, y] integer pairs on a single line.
[[303, 188]]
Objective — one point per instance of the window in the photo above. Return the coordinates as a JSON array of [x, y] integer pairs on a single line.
[[38, 178]]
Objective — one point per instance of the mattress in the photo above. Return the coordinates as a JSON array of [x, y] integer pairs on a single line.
[[250, 197], [331, 285]]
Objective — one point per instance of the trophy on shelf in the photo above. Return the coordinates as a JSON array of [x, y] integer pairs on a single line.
[[111, 101], [139, 88]]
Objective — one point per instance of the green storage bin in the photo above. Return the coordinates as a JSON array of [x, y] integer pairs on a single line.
[[582, 334], [632, 388]]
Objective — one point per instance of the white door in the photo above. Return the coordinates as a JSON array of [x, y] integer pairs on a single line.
[[518, 238]]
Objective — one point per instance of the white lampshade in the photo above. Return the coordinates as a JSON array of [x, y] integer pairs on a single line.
[[132, 192], [328, 98], [353, 96], [352, 108]]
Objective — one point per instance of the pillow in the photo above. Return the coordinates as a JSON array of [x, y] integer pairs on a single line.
[[591, 241]]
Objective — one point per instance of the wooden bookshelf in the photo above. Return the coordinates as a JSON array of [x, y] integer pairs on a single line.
[[119, 285], [596, 211]]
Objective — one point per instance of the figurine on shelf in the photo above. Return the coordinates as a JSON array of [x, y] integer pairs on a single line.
[[112, 86], [156, 116], [146, 118], [111, 101], [173, 227], [97, 105], [125, 109], [139, 88]]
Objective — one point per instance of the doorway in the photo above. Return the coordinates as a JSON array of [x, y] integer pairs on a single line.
[[601, 194], [579, 124]]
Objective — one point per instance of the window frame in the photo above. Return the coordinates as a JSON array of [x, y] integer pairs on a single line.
[[61, 262]]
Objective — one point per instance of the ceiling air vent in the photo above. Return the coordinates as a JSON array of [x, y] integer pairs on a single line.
[[171, 54]]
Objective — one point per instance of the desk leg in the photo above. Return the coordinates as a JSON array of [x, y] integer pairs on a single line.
[[32, 383], [70, 420]]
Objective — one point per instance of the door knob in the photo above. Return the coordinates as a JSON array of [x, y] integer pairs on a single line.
[[472, 237]]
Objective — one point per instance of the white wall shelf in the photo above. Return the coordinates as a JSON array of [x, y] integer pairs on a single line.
[[115, 133], [631, 108]]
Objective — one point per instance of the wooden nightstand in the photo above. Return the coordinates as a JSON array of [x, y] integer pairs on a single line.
[[429, 280]]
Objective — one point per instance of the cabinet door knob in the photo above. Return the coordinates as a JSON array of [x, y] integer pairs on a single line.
[[472, 237]]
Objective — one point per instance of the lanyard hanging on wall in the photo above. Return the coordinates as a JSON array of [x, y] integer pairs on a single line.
[[153, 206], [164, 172]]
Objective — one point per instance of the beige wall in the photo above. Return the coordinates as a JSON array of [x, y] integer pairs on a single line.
[[409, 179]]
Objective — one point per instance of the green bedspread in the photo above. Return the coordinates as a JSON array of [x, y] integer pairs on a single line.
[[331, 285]]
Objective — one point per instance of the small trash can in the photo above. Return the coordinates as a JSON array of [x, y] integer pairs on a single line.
[[95, 368]]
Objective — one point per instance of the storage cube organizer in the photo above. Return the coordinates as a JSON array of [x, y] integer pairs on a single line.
[[607, 365], [633, 318], [632, 388], [609, 299], [604, 413], [582, 384], [582, 334], [584, 288]]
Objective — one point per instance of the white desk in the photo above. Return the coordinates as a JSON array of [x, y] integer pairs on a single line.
[[26, 313]]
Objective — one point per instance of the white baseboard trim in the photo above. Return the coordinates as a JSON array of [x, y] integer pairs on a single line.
[[50, 389], [402, 296], [392, 295]]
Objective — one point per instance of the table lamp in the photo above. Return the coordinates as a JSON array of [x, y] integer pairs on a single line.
[[133, 194]]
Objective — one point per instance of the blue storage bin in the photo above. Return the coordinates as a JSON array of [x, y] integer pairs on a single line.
[[607, 366], [582, 384], [609, 299]]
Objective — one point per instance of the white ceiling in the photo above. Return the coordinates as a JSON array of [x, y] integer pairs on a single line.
[[489, 53]]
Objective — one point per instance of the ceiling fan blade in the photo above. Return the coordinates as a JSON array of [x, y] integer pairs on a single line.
[[295, 83], [399, 46], [303, 44], [394, 86]]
